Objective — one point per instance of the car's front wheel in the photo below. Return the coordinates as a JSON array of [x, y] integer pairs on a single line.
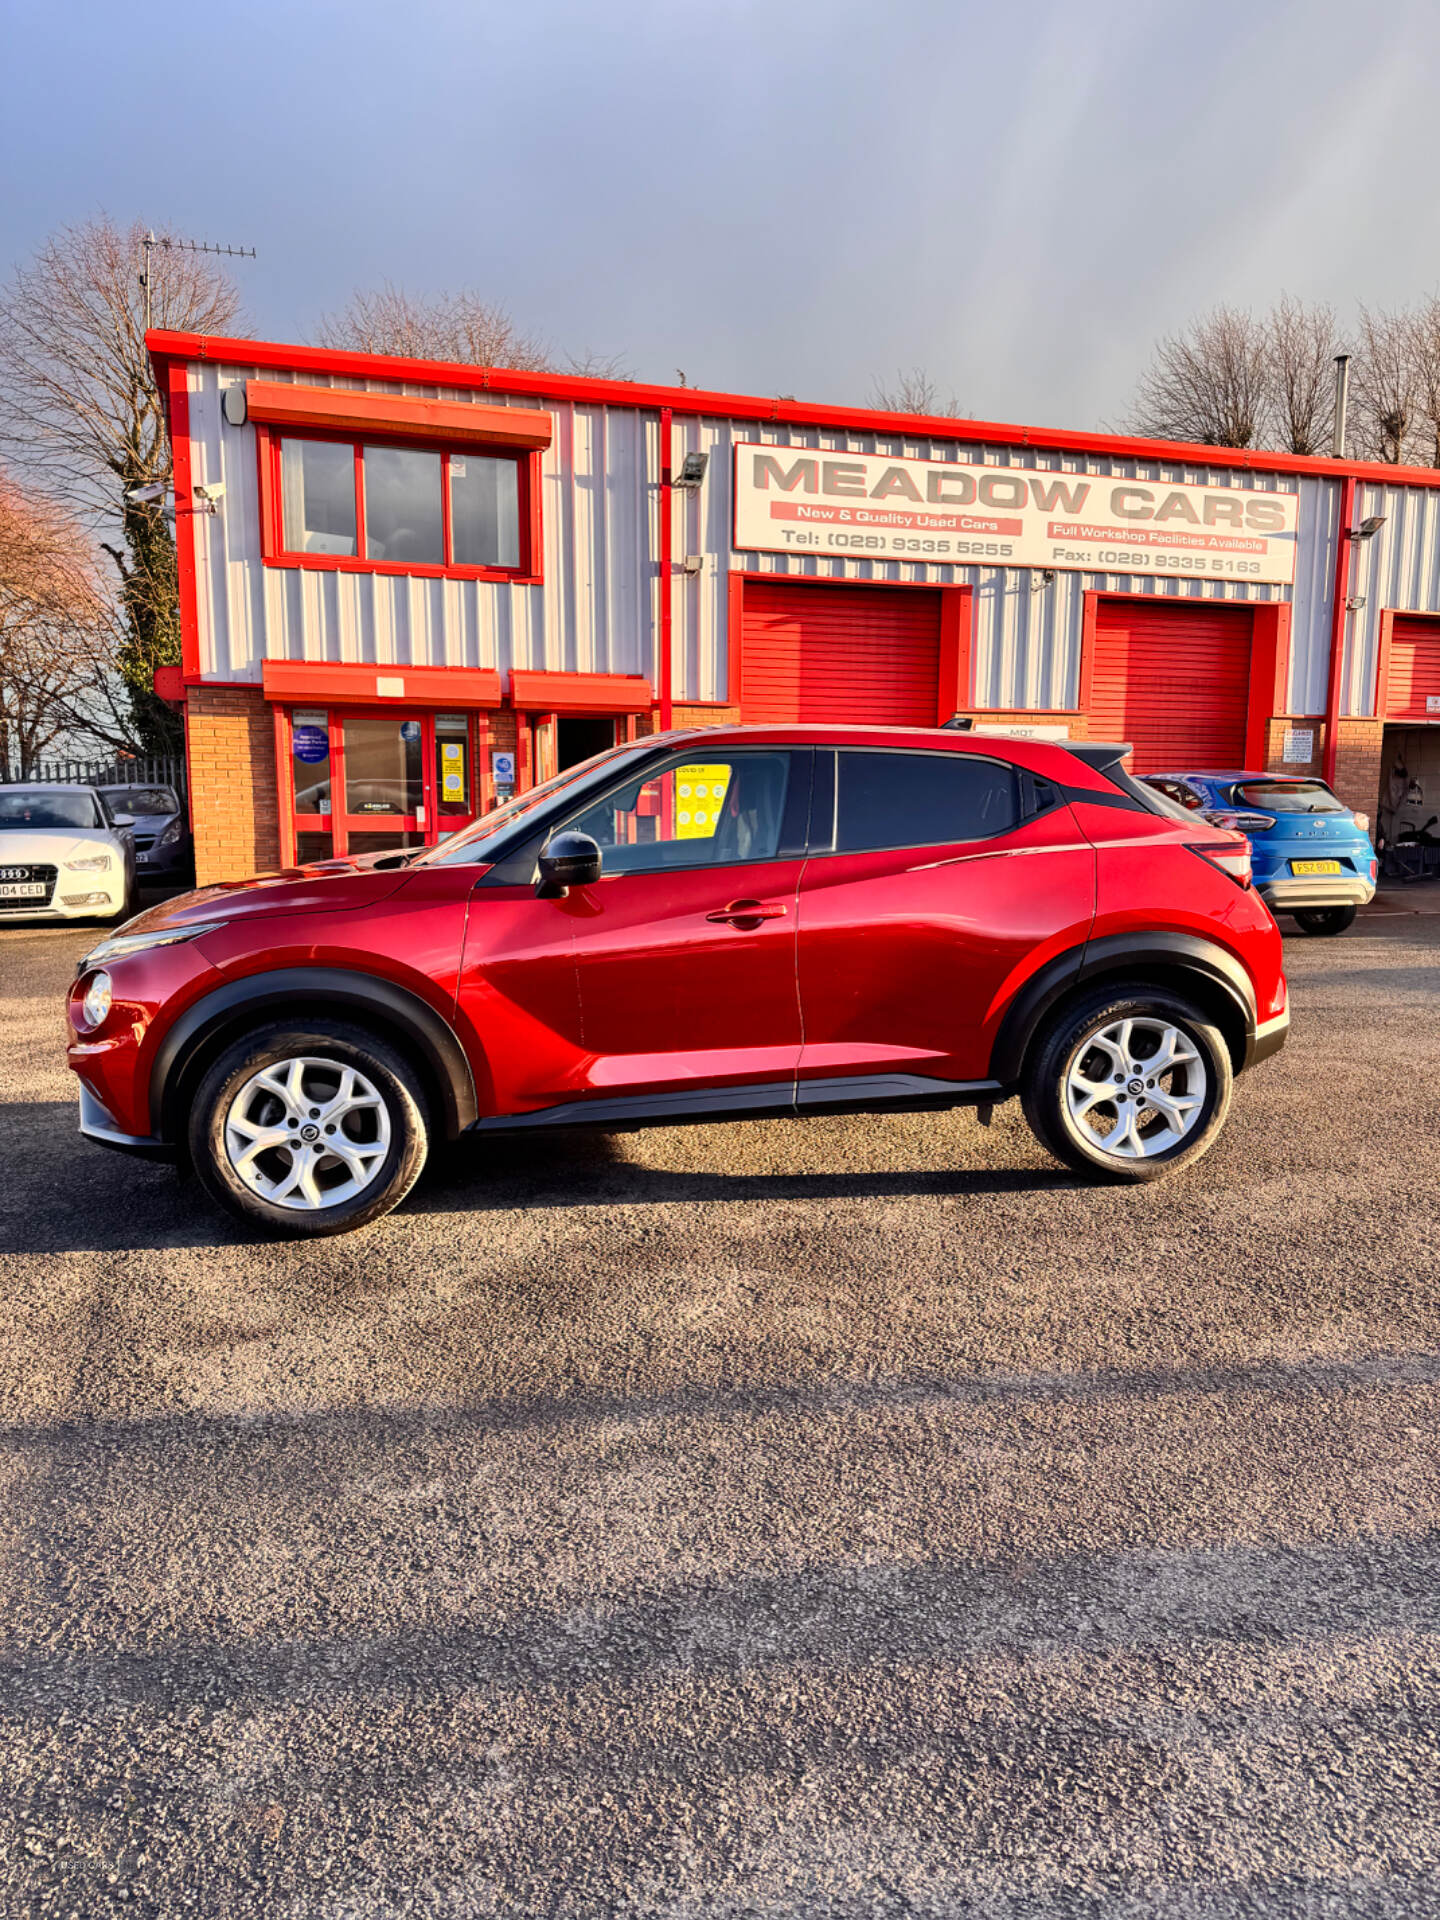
[[1324, 919], [309, 1129], [1131, 1082]]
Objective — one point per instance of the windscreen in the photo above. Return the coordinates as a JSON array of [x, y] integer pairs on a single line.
[[141, 801], [1287, 796], [45, 807]]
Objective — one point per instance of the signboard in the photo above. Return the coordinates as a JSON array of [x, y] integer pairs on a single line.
[[1021, 732], [699, 796], [502, 769], [866, 506], [452, 772], [311, 744], [1432, 701], [1299, 745]]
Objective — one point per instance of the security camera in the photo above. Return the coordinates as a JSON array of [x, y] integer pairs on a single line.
[[210, 492], [146, 496]]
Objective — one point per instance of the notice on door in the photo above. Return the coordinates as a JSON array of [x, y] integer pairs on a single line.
[[868, 506]]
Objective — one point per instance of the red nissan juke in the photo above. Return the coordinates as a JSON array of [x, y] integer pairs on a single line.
[[732, 922]]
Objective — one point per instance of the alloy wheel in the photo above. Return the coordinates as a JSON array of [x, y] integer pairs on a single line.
[[307, 1133], [1136, 1087]]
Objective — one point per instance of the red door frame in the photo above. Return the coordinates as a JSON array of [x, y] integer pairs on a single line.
[[1268, 692], [955, 667], [338, 822], [1381, 708]]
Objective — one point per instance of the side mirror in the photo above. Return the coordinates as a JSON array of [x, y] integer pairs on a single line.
[[124, 819], [568, 860]]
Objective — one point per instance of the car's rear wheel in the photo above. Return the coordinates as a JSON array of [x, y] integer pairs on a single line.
[[309, 1129], [1129, 1083], [1324, 919]]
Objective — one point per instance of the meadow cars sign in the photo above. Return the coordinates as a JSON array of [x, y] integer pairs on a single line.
[[868, 506]]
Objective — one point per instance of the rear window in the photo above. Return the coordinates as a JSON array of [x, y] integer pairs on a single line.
[[921, 799], [1287, 796]]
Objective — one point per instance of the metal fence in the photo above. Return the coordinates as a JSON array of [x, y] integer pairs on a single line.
[[162, 771]]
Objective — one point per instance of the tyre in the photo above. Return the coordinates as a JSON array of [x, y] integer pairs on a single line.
[[1324, 919], [1130, 1083], [309, 1128]]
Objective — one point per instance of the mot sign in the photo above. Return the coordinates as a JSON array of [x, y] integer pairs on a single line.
[[868, 506]]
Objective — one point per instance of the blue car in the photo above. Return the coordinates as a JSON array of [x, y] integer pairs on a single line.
[[1310, 854]]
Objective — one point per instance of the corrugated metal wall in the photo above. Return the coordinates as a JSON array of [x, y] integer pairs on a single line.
[[596, 611], [1027, 636]]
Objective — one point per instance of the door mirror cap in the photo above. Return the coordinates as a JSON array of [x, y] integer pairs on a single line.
[[568, 860]]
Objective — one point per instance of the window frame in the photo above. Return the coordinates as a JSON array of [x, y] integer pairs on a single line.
[[518, 863], [275, 553], [826, 796]]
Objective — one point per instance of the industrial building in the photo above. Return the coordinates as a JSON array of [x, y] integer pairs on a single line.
[[409, 589]]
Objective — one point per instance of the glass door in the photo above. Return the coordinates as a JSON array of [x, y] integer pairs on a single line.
[[377, 782], [381, 789]]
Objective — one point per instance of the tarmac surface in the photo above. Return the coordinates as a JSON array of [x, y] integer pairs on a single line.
[[852, 1517]]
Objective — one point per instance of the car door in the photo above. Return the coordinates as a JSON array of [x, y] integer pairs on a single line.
[[685, 947], [938, 882]]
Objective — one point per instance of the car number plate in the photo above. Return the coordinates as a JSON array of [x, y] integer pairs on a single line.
[[1316, 866], [23, 890]]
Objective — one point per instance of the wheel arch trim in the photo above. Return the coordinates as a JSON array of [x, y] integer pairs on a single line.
[[426, 1033], [1178, 954]]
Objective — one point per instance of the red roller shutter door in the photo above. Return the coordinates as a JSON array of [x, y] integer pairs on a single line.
[[1414, 676], [1175, 680], [814, 654]]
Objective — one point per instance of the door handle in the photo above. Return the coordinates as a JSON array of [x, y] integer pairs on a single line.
[[746, 914]]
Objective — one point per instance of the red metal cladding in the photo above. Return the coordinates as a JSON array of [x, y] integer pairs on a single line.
[[1174, 679], [818, 654], [1414, 676]]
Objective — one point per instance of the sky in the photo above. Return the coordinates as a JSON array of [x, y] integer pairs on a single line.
[[770, 196]]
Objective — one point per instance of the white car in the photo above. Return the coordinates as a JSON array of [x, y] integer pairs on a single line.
[[64, 855]]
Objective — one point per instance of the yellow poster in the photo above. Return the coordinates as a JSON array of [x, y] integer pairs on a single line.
[[699, 797], [452, 770]]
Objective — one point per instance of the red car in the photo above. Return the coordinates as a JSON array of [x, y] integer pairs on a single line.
[[728, 922]]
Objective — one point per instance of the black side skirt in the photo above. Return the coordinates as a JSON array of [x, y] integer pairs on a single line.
[[892, 1092]]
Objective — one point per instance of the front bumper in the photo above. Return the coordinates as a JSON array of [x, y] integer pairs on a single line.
[[58, 908], [98, 1124], [1287, 891]]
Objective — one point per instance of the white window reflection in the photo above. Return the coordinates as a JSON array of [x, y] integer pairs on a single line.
[[484, 511], [404, 519], [317, 480]]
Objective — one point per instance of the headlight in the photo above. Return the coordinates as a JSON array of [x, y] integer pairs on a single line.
[[171, 834], [96, 1003], [92, 863], [123, 943]]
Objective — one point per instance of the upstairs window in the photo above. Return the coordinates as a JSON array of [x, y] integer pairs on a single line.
[[403, 508]]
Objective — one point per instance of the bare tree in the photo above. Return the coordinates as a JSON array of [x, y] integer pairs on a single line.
[[913, 391], [1425, 359], [57, 634], [1387, 385], [460, 327], [1207, 384], [1301, 343], [447, 326], [80, 414]]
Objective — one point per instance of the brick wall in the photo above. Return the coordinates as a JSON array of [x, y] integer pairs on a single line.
[[1357, 763], [1279, 728], [705, 716], [230, 739]]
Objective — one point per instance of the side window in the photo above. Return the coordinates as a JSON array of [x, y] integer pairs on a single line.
[[921, 799], [710, 810]]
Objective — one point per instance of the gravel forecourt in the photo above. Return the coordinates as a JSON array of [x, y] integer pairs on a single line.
[[855, 1517]]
